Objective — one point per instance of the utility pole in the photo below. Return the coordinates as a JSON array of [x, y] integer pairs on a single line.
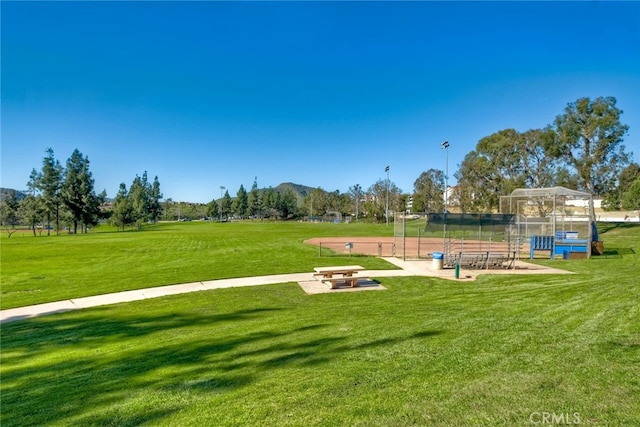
[[445, 147]]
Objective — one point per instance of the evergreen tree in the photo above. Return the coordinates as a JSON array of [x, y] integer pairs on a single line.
[[139, 198], [212, 209], [240, 204], [225, 205], [122, 214], [78, 194], [46, 187], [31, 212], [155, 209], [9, 212], [287, 204], [254, 200]]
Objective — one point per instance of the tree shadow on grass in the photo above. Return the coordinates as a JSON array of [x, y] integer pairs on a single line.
[[91, 382], [615, 253], [89, 369], [604, 228], [60, 331]]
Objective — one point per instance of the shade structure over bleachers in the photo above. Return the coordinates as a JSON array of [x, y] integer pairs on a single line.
[[564, 214]]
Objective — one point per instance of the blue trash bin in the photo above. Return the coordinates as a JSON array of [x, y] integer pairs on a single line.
[[438, 260]]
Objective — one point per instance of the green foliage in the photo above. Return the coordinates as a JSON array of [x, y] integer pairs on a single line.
[[254, 200], [428, 192], [46, 188], [589, 138], [122, 213], [139, 205], [631, 197], [78, 194], [613, 199], [240, 203], [502, 162], [288, 204], [9, 208]]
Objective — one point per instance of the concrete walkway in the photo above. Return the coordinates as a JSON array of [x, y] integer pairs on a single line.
[[407, 268]]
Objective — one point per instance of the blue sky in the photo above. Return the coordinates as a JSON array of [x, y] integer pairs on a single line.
[[325, 94]]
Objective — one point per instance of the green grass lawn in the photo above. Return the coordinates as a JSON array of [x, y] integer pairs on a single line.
[[45, 269], [504, 350]]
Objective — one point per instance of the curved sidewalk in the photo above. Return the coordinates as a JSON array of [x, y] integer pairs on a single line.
[[407, 268]]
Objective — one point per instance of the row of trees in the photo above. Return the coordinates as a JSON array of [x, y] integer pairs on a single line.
[[583, 149], [138, 205], [56, 195], [64, 198], [257, 203], [314, 203]]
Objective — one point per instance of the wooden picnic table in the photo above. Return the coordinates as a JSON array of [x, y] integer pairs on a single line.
[[333, 275]]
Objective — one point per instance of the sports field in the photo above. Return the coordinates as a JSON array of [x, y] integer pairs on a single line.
[[504, 350]]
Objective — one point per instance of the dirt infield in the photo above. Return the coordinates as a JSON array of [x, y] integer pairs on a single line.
[[379, 246], [411, 247]]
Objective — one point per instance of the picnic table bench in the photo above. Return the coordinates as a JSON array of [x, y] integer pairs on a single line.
[[343, 273]]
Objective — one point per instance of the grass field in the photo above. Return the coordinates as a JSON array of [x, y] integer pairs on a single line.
[[45, 269], [505, 350]]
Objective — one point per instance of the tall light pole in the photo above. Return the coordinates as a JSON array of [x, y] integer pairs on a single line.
[[445, 147], [387, 208]]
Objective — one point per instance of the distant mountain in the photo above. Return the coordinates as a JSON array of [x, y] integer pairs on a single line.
[[303, 190], [7, 192], [300, 191]]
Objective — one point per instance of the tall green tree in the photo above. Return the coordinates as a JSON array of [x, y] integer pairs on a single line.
[[428, 191], [212, 209], [122, 214], [9, 216], [315, 203], [613, 199], [140, 200], [628, 176], [144, 200], [631, 197], [254, 200], [46, 186], [478, 186], [502, 162], [538, 168], [287, 204], [226, 205], [240, 204], [155, 208], [589, 138], [271, 201], [78, 194], [376, 200], [31, 212]]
